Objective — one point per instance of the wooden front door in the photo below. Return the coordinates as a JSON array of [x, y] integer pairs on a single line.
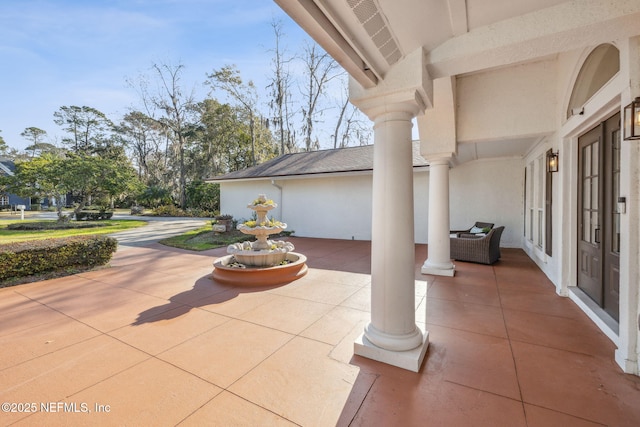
[[598, 217]]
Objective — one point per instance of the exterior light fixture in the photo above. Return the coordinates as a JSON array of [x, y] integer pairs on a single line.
[[622, 205], [552, 161], [632, 120]]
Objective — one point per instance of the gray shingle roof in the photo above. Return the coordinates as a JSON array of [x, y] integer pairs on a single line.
[[7, 167], [342, 160]]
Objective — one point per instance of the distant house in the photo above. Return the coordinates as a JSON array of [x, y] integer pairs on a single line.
[[8, 200], [328, 193]]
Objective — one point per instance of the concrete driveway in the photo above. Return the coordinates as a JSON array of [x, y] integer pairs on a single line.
[[157, 228]]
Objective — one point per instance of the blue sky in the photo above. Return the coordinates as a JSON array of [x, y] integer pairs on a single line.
[[78, 52]]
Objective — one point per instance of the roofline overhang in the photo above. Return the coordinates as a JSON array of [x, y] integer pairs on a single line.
[[420, 168], [320, 28], [6, 170]]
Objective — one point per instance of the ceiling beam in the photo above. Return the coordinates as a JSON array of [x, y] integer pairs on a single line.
[[546, 32], [458, 16]]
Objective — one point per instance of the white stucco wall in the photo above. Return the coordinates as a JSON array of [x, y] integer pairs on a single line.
[[339, 207], [489, 191], [507, 103], [332, 207], [235, 196]]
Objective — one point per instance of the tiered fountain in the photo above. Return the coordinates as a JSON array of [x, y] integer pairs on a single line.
[[262, 262]]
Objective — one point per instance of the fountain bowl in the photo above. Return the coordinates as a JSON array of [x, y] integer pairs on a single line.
[[260, 259], [260, 276]]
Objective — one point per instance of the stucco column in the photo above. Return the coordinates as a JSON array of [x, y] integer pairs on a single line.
[[393, 324], [392, 335], [438, 261]]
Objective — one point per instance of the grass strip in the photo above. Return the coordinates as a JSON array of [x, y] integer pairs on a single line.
[[106, 227], [202, 239]]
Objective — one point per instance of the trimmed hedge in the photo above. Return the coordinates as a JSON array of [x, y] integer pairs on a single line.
[[91, 215], [22, 259], [54, 225]]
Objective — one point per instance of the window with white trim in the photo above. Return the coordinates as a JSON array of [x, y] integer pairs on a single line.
[[535, 201], [529, 213], [539, 207]]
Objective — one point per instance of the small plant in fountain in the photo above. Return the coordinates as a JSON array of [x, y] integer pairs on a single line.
[[266, 223], [261, 201]]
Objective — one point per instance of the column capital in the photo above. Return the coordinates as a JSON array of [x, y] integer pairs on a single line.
[[439, 159], [407, 88]]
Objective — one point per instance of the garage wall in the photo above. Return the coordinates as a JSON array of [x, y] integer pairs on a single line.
[[324, 207], [340, 207]]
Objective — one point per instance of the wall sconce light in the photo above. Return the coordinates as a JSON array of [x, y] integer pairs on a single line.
[[622, 205], [632, 120], [552, 161]]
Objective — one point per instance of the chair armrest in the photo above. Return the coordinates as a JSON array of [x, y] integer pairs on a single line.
[[473, 249]]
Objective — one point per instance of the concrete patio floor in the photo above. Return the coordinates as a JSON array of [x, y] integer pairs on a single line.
[[154, 341]]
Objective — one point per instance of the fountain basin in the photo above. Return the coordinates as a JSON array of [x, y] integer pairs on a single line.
[[260, 276], [260, 259], [262, 229]]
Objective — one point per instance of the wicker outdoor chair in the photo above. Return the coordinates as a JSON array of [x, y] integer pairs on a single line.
[[483, 250], [470, 232]]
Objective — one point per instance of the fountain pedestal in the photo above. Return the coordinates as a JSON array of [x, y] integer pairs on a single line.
[[263, 262]]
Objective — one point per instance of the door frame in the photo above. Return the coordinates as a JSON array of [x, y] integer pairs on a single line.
[[596, 263]]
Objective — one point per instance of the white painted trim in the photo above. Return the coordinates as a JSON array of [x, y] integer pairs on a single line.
[[596, 315], [416, 169]]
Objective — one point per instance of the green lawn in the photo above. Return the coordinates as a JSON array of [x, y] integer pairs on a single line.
[[203, 238], [110, 226]]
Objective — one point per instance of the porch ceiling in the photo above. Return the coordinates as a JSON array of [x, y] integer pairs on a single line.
[[469, 151], [460, 37]]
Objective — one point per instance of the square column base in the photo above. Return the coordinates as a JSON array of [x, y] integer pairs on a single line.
[[410, 360], [434, 271]]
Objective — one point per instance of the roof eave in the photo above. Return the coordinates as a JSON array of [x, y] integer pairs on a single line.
[[416, 168]]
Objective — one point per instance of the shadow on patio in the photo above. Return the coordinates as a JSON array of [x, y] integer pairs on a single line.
[[161, 344]]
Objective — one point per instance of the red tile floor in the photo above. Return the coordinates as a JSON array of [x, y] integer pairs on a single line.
[[154, 341]]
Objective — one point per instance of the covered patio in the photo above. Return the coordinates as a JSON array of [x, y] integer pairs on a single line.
[[525, 104], [154, 341]]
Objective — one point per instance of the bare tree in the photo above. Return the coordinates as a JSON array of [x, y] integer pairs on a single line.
[[320, 69], [280, 87], [173, 110], [142, 135], [228, 79], [351, 125]]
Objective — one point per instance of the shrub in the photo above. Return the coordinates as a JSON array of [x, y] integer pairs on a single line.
[[171, 210], [22, 259], [168, 210], [93, 215], [53, 225], [154, 196], [203, 196]]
